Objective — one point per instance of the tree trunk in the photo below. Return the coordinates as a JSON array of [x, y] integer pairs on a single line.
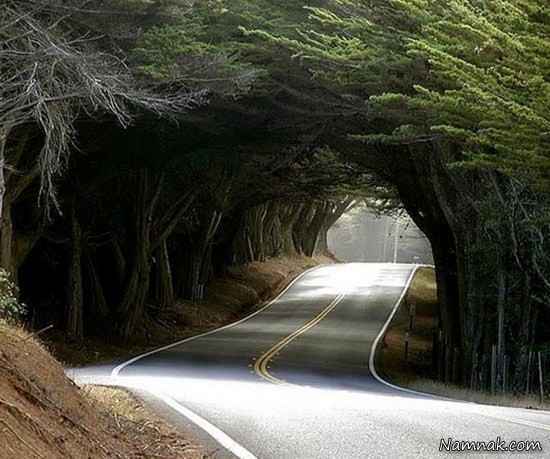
[[119, 262], [6, 225], [14, 246], [271, 229], [311, 233], [322, 241], [164, 283], [75, 313], [7, 258], [200, 256], [131, 310], [288, 215], [4, 132], [249, 241], [97, 309], [301, 226]]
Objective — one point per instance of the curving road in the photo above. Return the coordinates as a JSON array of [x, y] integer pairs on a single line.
[[297, 380]]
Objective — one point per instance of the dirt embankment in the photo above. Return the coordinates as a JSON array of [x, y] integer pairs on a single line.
[[44, 415], [241, 291]]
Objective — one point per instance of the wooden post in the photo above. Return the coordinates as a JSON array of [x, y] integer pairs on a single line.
[[529, 359], [442, 353], [541, 386], [493, 369], [480, 374], [412, 314], [446, 360], [504, 373], [454, 363], [480, 380], [473, 374], [435, 353]]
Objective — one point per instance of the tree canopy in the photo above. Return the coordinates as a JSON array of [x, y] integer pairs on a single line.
[[178, 137]]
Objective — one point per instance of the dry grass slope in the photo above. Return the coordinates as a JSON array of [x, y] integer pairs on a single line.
[[241, 291], [416, 372]]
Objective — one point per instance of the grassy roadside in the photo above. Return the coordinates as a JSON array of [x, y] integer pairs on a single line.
[[240, 292], [415, 372], [391, 362], [134, 418]]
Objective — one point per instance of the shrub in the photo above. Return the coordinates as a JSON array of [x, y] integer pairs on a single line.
[[10, 307]]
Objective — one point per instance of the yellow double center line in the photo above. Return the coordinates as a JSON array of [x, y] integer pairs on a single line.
[[261, 364]]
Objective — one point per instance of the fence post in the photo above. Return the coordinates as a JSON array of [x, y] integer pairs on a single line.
[[480, 377], [407, 336], [454, 371], [505, 373], [529, 358], [435, 353], [412, 315], [473, 373], [541, 386], [493, 369], [442, 354], [447, 362]]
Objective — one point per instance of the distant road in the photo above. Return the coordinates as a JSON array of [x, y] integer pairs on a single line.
[[296, 380]]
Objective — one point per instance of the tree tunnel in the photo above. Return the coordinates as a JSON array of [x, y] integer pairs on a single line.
[[137, 234], [144, 164], [149, 214]]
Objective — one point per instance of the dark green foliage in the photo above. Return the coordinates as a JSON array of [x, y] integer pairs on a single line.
[[251, 125], [457, 109]]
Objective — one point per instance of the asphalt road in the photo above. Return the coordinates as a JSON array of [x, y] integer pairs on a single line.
[[297, 380]]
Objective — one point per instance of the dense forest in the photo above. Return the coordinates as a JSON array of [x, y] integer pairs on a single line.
[[147, 145]]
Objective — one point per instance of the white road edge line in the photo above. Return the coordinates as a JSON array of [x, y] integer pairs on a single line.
[[372, 367], [217, 434], [381, 334], [115, 372]]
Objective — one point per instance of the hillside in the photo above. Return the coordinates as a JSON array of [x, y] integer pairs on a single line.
[[44, 415]]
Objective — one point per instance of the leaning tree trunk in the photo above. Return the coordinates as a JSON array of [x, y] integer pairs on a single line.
[[119, 261], [301, 227], [96, 303], [424, 196], [332, 212], [310, 234], [200, 257], [474, 219], [249, 241], [131, 310], [322, 241], [288, 215], [164, 283], [271, 230]]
